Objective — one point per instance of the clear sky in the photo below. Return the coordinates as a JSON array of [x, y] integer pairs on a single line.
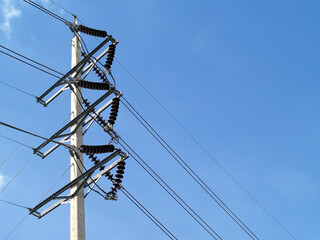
[[240, 76]]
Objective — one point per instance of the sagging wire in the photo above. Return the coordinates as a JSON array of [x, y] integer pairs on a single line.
[[195, 177], [173, 194], [147, 213]]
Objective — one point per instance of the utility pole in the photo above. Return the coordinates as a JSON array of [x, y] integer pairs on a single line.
[[80, 179], [77, 218]]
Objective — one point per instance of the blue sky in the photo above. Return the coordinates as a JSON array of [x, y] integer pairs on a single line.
[[240, 76]]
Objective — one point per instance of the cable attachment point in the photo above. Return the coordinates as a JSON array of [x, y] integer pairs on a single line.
[[92, 149], [110, 56], [91, 31], [111, 196]]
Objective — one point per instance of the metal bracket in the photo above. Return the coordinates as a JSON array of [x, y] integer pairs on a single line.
[[75, 70], [77, 120], [85, 180], [87, 121]]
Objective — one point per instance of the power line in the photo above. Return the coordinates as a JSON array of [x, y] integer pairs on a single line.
[[14, 204], [155, 176], [29, 64], [207, 152], [158, 182], [33, 134], [39, 125], [24, 218], [133, 200], [20, 143], [43, 9], [31, 60], [51, 60], [164, 187], [15, 228], [20, 90], [25, 165], [188, 169], [72, 14], [147, 213], [245, 228]]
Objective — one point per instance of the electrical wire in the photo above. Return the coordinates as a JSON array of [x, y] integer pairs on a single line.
[[195, 177], [20, 143], [29, 64], [51, 60], [31, 60], [208, 153], [39, 125], [147, 213], [18, 89], [23, 167], [72, 14], [24, 218], [164, 185], [17, 225], [131, 198], [33, 134], [43, 9], [14, 204]]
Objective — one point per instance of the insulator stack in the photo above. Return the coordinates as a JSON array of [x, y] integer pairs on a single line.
[[100, 119], [93, 85], [114, 110], [100, 74], [110, 56], [93, 158], [92, 149], [119, 176], [86, 103], [109, 175], [92, 32]]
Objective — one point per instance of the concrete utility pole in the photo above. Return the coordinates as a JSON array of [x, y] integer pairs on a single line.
[[77, 218]]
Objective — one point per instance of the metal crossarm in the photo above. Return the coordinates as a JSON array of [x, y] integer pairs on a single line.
[[86, 122], [84, 179], [78, 120], [76, 69]]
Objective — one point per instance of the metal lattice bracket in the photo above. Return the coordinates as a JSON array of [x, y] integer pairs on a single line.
[[66, 79], [87, 122], [79, 120], [85, 180]]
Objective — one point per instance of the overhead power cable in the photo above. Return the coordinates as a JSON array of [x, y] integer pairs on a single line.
[[133, 200], [24, 218], [45, 71], [152, 173], [188, 169], [72, 14], [207, 152], [16, 226], [43, 9], [147, 213], [31, 60], [12, 140], [39, 125], [33, 134], [51, 60], [18, 89], [14, 204], [204, 223], [169, 190], [20, 170]]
